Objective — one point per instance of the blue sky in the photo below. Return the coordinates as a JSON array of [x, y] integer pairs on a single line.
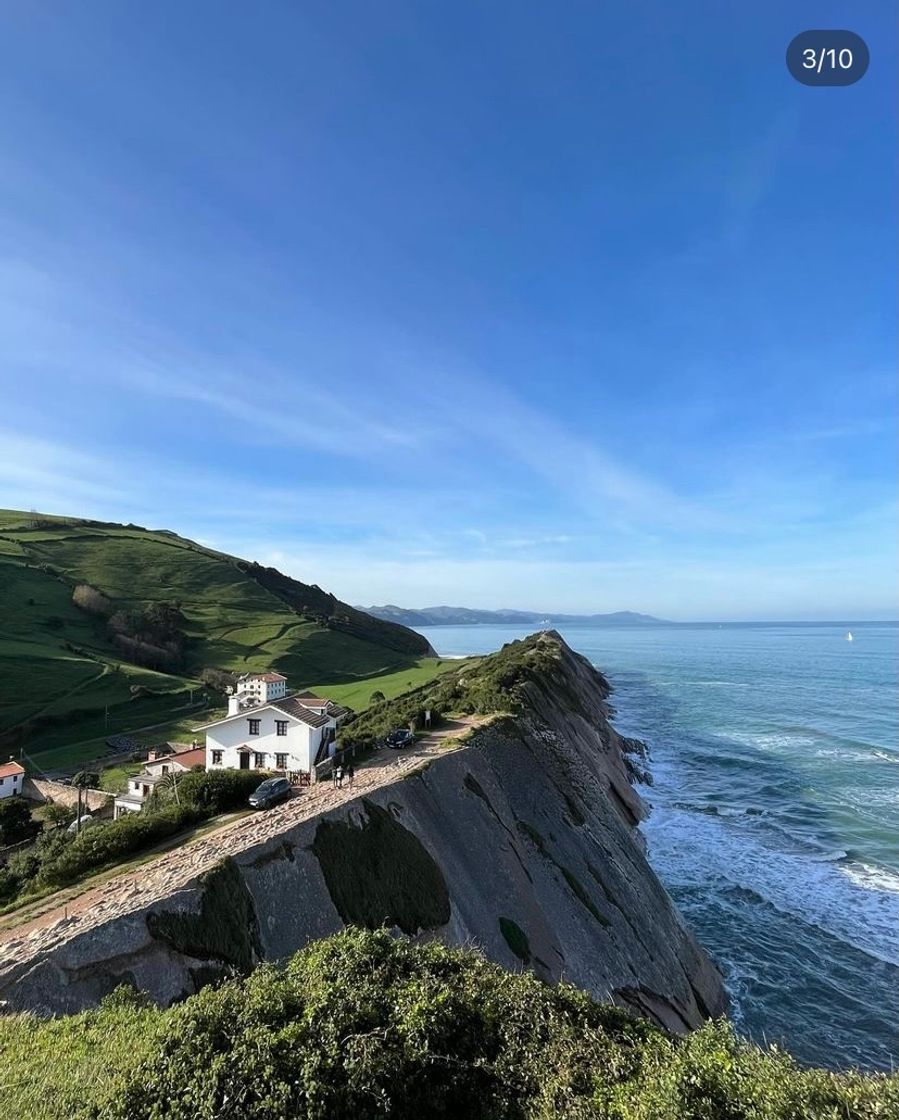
[[564, 307]]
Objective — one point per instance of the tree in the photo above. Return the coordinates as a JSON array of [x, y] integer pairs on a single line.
[[91, 600], [58, 815], [377, 696], [16, 821], [84, 779]]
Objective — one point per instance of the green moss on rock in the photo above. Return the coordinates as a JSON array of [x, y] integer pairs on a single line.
[[380, 873], [578, 890], [516, 939], [226, 928]]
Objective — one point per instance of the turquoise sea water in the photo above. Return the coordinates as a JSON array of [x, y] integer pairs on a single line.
[[775, 813]]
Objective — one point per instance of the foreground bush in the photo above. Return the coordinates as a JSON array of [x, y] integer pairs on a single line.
[[361, 1025]]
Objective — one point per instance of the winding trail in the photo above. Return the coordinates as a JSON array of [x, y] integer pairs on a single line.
[[74, 914]]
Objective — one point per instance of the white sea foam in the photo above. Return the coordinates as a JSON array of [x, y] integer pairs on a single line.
[[853, 902], [769, 741]]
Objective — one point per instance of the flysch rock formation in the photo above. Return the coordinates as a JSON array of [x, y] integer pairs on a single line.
[[522, 842]]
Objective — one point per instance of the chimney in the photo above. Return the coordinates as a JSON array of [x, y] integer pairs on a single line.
[[233, 705]]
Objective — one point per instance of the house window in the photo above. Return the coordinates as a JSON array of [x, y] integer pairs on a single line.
[[280, 726], [254, 726], [216, 758], [165, 769], [259, 760], [280, 761]]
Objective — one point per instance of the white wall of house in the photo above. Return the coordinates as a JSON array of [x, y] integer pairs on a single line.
[[11, 785], [296, 747]]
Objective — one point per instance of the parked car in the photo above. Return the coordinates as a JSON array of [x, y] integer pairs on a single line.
[[400, 738], [270, 793], [86, 821]]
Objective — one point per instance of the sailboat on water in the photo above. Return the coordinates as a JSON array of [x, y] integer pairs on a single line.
[[849, 637]]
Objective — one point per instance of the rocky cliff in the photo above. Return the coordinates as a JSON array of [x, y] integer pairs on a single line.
[[522, 841]]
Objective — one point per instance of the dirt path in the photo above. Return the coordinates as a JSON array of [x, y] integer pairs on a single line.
[[77, 912]]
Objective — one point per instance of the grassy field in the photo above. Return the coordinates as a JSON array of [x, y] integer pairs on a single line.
[[65, 686], [358, 696]]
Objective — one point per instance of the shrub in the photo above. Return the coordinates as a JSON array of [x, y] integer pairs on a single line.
[[91, 600], [112, 841], [362, 1025], [58, 815], [218, 790], [219, 680], [16, 821], [495, 684]]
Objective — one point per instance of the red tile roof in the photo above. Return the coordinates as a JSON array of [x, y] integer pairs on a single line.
[[188, 759], [271, 677], [10, 768]]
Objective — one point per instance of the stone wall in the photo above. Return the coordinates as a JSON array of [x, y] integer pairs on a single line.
[[98, 802]]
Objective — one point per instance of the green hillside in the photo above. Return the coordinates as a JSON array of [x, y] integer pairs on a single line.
[[65, 676]]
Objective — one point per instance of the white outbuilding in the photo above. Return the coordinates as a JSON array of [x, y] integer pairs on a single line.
[[11, 777]]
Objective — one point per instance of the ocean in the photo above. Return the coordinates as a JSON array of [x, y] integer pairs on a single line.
[[775, 812]]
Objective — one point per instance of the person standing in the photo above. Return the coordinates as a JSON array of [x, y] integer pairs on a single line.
[[350, 773], [338, 776]]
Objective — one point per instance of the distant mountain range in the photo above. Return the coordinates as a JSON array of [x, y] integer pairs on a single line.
[[466, 616]]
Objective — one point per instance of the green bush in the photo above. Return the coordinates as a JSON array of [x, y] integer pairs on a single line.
[[16, 822], [217, 791], [112, 841], [495, 684], [361, 1025], [59, 858]]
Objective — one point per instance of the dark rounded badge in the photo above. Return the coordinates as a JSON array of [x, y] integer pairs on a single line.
[[827, 58]]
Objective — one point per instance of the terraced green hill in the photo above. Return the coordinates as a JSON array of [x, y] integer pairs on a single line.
[[64, 678]]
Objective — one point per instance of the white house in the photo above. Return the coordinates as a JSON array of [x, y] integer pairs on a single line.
[[139, 789], [155, 771], [11, 777], [261, 687], [289, 735]]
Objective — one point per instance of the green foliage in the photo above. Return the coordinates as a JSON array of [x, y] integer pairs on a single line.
[[493, 684], [226, 928], [16, 821], [59, 858], [56, 815], [113, 841], [381, 874], [218, 791], [361, 1025], [86, 779]]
